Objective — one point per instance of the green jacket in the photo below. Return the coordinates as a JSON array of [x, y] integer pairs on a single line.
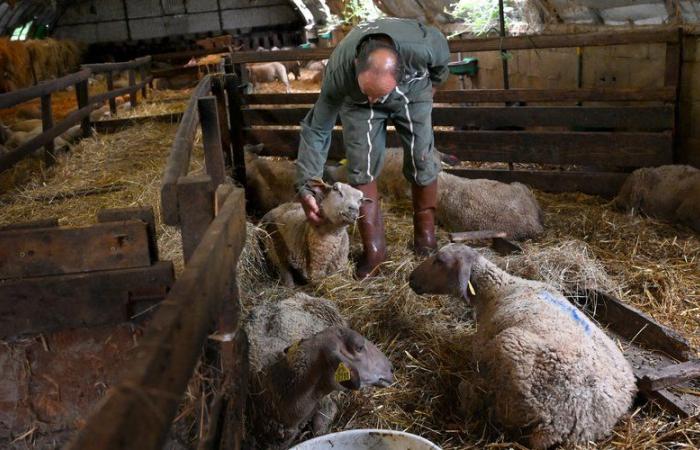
[[424, 52]]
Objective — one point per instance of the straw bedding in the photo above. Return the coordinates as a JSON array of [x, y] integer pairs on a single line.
[[651, 265]]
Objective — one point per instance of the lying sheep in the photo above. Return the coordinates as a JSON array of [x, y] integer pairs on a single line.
[[270, 182], [19, 138], [307, 253], [27, 125], [669, 193], [5, 133], [545, 369], [267, 72], [301, 351], [465, 204]]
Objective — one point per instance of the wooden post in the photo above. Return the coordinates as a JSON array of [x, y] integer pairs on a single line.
[[46, 124], [110, 88], [672, 77], [195, 204], [81, 92], [132, 82], [142, 75], [211, 136], [237, 124], [217, 90]]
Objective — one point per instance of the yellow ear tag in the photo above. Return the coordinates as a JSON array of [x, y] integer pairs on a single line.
[[342, 373], [471, 288], [292, 352], [343, 162]]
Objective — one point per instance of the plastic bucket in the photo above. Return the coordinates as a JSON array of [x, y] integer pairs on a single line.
[[367, 440]]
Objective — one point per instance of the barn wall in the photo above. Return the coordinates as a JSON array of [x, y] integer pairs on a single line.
[[132, 20], [689, 151]]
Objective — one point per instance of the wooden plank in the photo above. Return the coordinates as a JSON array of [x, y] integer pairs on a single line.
[[11, 158], [38, 305], [142, 77], [46, 124], [634, 117], [110, 87], [211, 139], [188, 54], [111, 67], [665, 94], [598, 38], [175, 71], [112, 125], [99, 98], [133, 94], [195, 204], [13, 98], [178, 162], [634, 325], [657, 379], [237, 121], [142, 213], [300, 54], [39, 223], [218, 90], [58, 251], [606, 184], [590, 148], [82, 99], [140, 409]]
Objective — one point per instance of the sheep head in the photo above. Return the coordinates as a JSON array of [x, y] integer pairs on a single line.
[[347, 359], [448, 272], [340, 203]]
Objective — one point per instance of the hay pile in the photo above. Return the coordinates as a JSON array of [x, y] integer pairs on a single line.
[[27, 61]]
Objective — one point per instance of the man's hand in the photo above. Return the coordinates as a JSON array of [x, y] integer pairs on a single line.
[[434, 91], [311, 209]]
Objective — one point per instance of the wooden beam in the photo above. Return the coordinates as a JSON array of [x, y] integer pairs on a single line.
[[606, 184], [142, 213], [657, 379], [13, 98], [188, 54], [58, 251], [82, 98], [237, 121], [39, 305], [632, 117], [178, 162], [39, 223], [137, 412], [11, 158], [110, 87], [47, 124], [211, 139], [195, 205], [665, 94], [133, 94], [131, 90], [301, 54], [112, 125], [218, 90], [111, 67], [590, 148]]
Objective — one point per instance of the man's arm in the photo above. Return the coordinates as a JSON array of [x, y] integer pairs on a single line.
[[440, 58]]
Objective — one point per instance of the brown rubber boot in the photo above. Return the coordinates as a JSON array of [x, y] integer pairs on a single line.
[[424, 204], [371, 227]]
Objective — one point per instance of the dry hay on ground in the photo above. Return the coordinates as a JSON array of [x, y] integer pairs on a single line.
[[648, 264]]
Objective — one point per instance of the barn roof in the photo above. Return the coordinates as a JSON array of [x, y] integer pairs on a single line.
[[14, 13]]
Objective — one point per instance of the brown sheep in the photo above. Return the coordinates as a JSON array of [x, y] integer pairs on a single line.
[[669, 193]]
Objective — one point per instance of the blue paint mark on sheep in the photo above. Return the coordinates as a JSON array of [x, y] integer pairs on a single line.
[[567, 307]]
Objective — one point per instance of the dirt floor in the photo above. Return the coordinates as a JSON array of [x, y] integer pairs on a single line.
[[651, 265]]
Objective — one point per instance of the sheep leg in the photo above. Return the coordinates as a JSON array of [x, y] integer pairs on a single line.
[[471, 397], [543, 437], [324, 416]]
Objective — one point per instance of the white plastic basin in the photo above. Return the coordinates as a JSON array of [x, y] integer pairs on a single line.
[[367, 440]]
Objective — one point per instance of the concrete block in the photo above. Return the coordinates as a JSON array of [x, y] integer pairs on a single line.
[[173, 6], [690, 81], [111, 32], [259, 16], [201, 5], [143, 8], [635, 51]]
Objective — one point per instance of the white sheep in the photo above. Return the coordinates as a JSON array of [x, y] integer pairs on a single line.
[[545, 370], [305, 252], [669, 193], [267, 72], [19, 138], [300, 351], [464, 204], [270, 181]]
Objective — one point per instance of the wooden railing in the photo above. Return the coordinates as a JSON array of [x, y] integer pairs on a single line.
[[141, 64]]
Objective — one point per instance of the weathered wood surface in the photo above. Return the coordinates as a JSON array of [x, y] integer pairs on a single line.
[[11, 158], [211, 139], [45, 87], [111, 67], [195, 205], [590, 148], [178, 162], [634, 325], [633, 117], [38, 305], [138, 411], [47, 124], [237, 122], [606, 184], [664, 377], [57, 251], [142, 213], [131, 90], [218, 90], [39, 223], [664, 94], [112, 125]]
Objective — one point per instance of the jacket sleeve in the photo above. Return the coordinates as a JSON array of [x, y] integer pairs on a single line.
[[316, 132], [440, 57]]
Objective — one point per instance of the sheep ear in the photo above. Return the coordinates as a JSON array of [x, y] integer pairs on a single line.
[[319, 187], [464, 272]]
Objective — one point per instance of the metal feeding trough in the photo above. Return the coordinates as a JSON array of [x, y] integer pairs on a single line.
[[467, 66]]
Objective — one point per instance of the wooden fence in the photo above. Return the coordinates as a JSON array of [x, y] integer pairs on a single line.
[[609, 140]]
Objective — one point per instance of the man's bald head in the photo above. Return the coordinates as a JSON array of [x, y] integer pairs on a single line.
[[377, 67]]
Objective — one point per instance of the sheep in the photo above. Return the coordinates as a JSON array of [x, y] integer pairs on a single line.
[[5, 133], [270, 182], [547, 371], [300, 351], [669, 193], [26, 125], [266, 72], [465, 204], [298, 249], [19, 138]]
